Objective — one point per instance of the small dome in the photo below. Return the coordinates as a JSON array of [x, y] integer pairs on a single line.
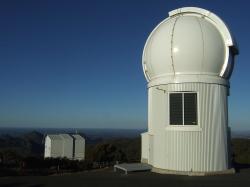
[[188, 43]]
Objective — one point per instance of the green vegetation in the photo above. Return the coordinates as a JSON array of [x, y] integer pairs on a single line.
[[241, 151], [121, 150]]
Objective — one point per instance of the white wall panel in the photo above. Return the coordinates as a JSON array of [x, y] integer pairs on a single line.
[[144, 147], [79, 147], [203, 148], [67, 146]]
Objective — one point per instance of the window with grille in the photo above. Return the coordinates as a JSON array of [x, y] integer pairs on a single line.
[[183, 108]]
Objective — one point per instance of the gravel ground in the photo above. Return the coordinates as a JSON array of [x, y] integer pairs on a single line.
[[109, 178]]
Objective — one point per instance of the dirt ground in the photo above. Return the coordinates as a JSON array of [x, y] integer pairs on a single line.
[[108, 177]]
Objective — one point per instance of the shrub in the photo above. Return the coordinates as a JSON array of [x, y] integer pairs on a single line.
[[241, 151]]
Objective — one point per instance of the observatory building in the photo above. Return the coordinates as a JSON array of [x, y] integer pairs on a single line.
[[187, 61], [64, 145]]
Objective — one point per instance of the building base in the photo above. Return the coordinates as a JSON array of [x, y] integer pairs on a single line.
[[144, 160], [193, 173]]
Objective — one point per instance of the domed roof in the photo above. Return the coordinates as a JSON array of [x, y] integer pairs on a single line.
[[192, 41]]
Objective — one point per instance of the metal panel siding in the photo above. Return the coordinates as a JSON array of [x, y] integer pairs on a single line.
[[47, 150], [158, 106], [67, 148], [56, 148], [150, 122], [53, 146], [145, 146], [151, 150], [79, 149], [190, 150]]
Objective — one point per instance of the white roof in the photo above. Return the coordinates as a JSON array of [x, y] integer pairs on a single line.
[[66, 136], [192, 41], [59, 136], [54, 136], [78, 137]]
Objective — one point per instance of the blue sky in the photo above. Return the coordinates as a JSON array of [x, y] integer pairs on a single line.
[[78, 63]]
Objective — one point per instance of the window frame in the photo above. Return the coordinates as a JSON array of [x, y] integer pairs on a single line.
[[183, 127]]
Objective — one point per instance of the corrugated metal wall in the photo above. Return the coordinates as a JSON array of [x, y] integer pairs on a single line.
[[144, 147], [203, 149], [47, 147], [56, 148], [79, 149], [68, 148]]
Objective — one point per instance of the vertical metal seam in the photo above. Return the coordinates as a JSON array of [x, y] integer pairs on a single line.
[[183, 109], [172, 41], [203, 47]]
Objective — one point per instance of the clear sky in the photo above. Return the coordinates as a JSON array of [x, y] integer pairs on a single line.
[[78, 63]]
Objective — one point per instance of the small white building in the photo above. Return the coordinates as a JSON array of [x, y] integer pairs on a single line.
[[79, 147], [53, 146], [64, 145], [187, 61]]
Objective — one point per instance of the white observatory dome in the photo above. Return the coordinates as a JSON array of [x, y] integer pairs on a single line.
[[187, 60], [188, 43]]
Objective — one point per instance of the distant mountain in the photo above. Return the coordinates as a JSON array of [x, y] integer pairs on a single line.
[[25, 145], [88, 132], [30, 142], [34, 136], [241, 134], [35, 141]]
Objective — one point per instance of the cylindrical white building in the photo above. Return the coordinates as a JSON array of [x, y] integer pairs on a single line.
[[187, 60]]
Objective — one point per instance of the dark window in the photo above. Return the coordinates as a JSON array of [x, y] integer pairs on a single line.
[[183, 108], [190, 109], [176, 109]]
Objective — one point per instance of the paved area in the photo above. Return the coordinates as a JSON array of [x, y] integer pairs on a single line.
[[109, 178]]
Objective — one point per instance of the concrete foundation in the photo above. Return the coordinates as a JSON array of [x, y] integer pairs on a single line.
[[191, 173]]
